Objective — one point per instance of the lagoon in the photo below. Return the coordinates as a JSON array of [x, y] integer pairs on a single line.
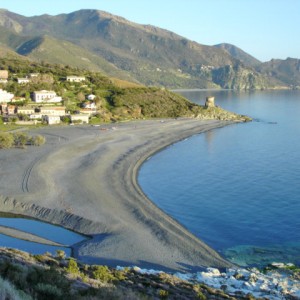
[[52, 233]]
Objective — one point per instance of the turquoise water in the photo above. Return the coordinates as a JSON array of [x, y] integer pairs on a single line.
[[237, 188]]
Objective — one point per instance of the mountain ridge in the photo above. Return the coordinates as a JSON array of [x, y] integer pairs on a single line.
[[142, 53]]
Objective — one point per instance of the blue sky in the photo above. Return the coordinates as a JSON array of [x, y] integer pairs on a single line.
[[264, 28]]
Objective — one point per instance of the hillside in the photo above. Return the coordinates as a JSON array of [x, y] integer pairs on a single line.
[[26, 276], [287, 71], [141, 53], [115, 99], [46, 48], [245, 58]]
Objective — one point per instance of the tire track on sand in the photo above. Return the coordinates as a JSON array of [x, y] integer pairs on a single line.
[[28, 170]]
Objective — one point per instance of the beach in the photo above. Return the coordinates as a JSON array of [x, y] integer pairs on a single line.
[[85, 179]]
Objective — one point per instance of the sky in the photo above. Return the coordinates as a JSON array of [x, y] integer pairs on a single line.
[[265, 29]]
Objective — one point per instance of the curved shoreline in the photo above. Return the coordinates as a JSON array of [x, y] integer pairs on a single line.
[[88, 182]]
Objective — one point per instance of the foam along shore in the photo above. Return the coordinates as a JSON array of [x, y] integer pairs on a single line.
[[85, 179]]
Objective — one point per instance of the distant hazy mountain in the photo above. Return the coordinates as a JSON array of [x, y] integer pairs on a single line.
[[239, 54], [288, 71], [97, 40]]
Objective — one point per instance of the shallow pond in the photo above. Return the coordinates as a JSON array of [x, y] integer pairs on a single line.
[[44, 230]]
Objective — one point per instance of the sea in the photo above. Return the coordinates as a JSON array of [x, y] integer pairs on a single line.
[[237, 188]]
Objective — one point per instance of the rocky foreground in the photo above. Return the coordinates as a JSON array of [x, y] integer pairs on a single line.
[[25, 276]]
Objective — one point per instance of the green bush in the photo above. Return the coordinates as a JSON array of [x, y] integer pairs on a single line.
[[72, 267], [201, 296], [20, 139], [102, 273], [61, 254], [6, 140], [163, 294], [38, 140]]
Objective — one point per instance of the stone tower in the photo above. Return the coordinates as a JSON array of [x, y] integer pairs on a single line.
[[210, 102]]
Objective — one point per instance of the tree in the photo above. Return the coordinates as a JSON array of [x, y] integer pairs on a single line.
[[6, 140]]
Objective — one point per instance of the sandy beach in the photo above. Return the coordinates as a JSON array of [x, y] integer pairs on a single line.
[[85, 178]]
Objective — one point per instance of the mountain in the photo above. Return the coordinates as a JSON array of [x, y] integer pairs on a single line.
[[46, 48], [97, 40], [288, 71], [245, 58]]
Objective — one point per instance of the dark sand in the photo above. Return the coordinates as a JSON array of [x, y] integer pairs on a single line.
[[85, 178]]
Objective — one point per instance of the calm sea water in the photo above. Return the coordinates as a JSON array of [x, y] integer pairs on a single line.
[[237, 188]]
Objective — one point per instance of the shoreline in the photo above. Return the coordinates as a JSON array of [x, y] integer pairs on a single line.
[[87, 182]]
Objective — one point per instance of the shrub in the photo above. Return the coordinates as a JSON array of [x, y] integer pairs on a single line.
[[6, 140], [163, 294], [15, 273], [102, 273], [8, 291], [47, 291], [201, 296], [20, 139], [60, 254], [38, 140], [72, 267]]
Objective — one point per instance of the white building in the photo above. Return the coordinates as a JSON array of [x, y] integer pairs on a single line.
[[3, 74], [89, 104], [88, 111], [53, 111], [51, 120], [25, 110], [45, 96], [5, 96], [31, 75], [80, 118], [35, 116], [91, 97], [75, 78], [23, 80]]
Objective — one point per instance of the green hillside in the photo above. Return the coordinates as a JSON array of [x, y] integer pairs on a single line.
[[97, 40], [46, 48], [116, 100]]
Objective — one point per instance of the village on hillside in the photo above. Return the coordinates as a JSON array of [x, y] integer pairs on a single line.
[[44, 106]]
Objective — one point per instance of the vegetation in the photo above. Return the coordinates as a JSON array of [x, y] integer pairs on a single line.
[[141, 54], [6, 140], [115, 100], [19, 140], [24, 276]]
